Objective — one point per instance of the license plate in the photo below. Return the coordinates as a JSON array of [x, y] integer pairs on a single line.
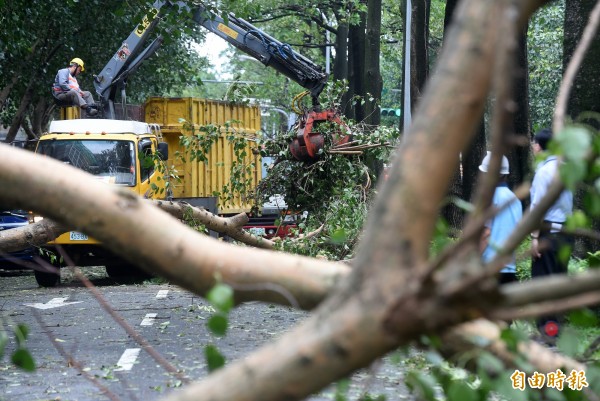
[[76, 236], [258, 231]]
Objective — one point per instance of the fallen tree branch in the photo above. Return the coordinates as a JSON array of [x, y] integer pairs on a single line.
[[231, 226], [180, 254], [36, 234], [46, 230]]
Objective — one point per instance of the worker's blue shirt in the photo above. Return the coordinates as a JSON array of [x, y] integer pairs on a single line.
[[563, 207], [62, 79], [503, 224]]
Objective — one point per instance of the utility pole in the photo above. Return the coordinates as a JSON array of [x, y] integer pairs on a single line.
[[406, 111]]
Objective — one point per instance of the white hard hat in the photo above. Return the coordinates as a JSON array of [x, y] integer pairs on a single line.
[[486, 162]]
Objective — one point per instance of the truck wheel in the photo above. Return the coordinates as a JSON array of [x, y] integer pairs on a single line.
[[116, 271], [47, 279], [44, 277], [125, 273]]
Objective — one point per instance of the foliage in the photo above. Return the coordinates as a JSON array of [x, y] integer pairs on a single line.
[[20, 357], [544, 53], [335, 190], [221, 298], [36, 44]]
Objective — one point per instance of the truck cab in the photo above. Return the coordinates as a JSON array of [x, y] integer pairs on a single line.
[[114, 151], [117, 152]]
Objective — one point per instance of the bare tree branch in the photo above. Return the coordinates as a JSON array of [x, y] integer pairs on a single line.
[[557, 286]]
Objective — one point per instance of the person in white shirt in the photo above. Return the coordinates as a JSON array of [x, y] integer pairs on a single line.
[[550, 247]]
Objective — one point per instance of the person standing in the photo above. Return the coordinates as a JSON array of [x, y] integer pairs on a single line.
[[549, 245], [66, 88], [497, 230]]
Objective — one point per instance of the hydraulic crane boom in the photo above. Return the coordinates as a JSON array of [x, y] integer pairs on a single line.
[[266, 49], [245, 37]]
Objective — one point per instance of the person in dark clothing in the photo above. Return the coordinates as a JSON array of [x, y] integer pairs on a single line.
[[549, 244]]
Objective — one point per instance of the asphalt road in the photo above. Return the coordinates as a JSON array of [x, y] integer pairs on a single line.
[[171, 320]]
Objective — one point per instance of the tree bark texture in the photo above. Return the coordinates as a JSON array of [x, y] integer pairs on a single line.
[[357, 54], [420, 49], [372, 77], [584, 94], [520, 158], [340, 65], [450, 211]]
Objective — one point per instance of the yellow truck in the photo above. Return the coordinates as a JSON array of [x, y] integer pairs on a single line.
[[117, 152]]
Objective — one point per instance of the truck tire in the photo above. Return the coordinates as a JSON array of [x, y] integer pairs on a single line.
[[44, 277], [125, 273], [47, 279]]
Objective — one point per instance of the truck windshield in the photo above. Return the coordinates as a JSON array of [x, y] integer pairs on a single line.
[[108, 160]]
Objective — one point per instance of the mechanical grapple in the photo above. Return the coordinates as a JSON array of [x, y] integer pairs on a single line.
[[310, 140]]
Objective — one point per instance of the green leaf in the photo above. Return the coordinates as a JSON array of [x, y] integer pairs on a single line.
[[421, 383], [23, 359], [460, 391], [338, 236], [21, 333], [214, 359], [504, 386], [568, 342], [221, 296], [572, 172], [489, 362], [575, 142], [577, 220], [3, 342], [583, 318], [217, 324]]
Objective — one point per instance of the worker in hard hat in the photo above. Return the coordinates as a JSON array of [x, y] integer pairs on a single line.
[[500, 227], [67, 91]]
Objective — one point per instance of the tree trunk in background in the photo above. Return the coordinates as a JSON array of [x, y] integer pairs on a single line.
[[419, 55], [356, 54], [519, 156], [450, 212], [471, 160], [38, 119], [420, 49], [20, 114], [341, 68], [347, 106], [584, 94], [340, 65], [372, 78], [450, 6]]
